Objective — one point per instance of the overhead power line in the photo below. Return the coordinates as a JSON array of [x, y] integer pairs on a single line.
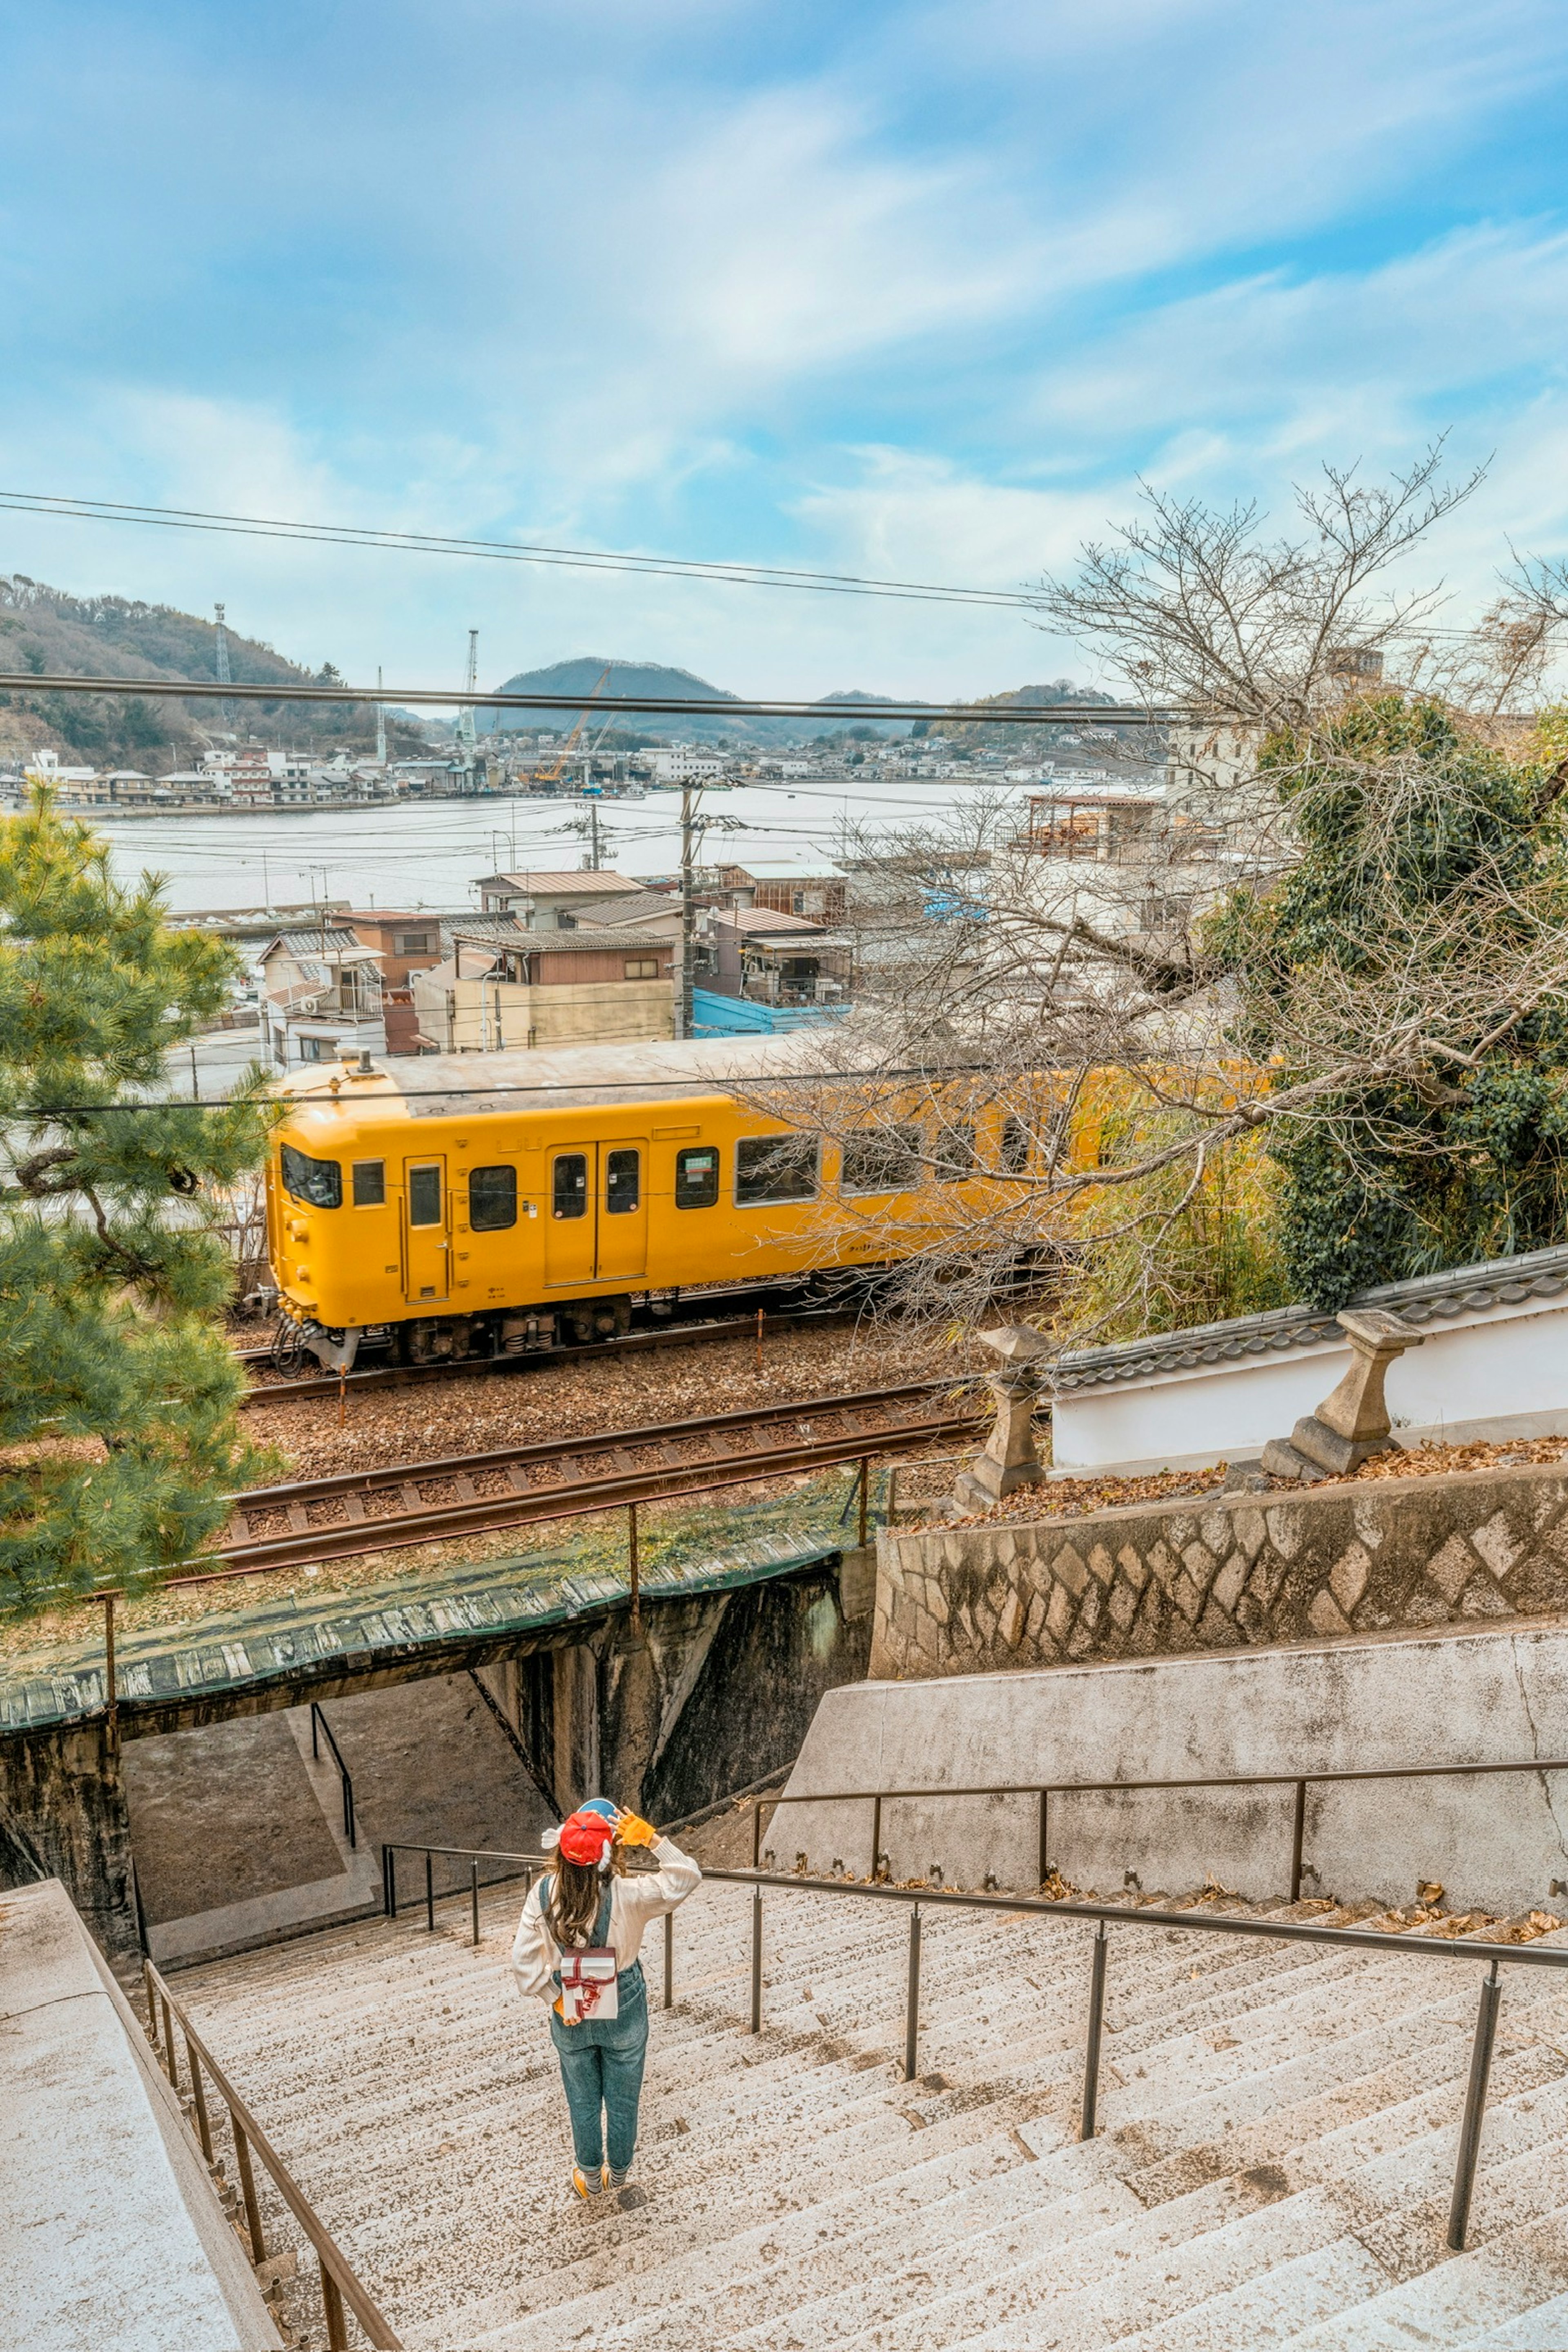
[[494, 551], [1010, 714]]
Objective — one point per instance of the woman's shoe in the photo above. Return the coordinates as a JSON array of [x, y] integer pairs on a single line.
[[617, 2179], [586, 2186]]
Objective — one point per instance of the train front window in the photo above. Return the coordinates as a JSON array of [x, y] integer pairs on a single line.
[[317, 1183], [775, 1168], [697, 1176], [622, 1182], [953, 1153], [492, 1199], [425, 1196], [569, 1185], [887, 1160], [370, 1183], [1014, 1148]]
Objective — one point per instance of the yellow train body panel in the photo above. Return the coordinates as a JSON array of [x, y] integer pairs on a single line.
[[499, 1198]]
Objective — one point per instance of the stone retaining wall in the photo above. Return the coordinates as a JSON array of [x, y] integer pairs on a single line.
[[1224, 1571]]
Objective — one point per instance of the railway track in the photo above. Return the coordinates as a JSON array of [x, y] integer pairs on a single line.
[[677, 1335], [425, 1502]]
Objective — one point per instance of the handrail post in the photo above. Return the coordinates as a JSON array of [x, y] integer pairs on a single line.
[[247, 2189], [876, 1834], [1096, 2019], [474, 1881], [333, 2310], [350, 1828], [756, 1960], [865, 1496], [315, 1745], [429, 1892], [912, 1999], [389, 1870], [204, 2128], [1045, 1853], [1298, 1835], [172, 2060], [669, 1959], [756, 1836], [1474, 2109]]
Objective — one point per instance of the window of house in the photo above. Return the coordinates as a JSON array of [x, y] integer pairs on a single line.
[[369, 1183], [775, 1168], [413, 943], [1015, 1147], [622, 1182], [492, 1199], [569, 1184], [425, 1196], [887, 1160], [318, 1049], [697, 1176], [952, 1152], [642, 966], [317, 1183]]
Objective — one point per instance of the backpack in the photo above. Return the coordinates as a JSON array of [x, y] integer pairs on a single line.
[[588, 1984]]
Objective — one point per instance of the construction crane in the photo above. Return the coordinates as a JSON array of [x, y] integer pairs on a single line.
[[557, 768]]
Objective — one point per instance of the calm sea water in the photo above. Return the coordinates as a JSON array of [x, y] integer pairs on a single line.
[[433, 854]]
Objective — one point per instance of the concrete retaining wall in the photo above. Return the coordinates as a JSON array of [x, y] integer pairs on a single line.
[[112, 2232], [1480, 1695], [1225, 1572]]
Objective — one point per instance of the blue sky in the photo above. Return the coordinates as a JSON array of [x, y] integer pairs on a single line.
[[911, 288]]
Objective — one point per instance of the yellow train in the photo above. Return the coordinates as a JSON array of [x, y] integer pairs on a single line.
[[458, 1205]]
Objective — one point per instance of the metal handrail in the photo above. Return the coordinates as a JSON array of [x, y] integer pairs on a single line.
[[1105, 1915], [339, 2283], [349, 1830], [1045, 1791]]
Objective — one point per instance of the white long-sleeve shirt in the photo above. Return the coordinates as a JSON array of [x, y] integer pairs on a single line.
[[634, 1901]]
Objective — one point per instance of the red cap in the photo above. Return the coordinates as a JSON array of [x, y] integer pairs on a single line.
[[585, 1836]]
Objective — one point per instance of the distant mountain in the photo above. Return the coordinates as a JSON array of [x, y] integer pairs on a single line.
[[621, 696], [46, 631]]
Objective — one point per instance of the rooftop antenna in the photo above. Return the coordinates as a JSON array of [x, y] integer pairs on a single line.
[[466, 716], [224, 675], [380, 723]]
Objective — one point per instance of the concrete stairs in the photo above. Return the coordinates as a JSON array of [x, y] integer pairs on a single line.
[[1278, 2136]]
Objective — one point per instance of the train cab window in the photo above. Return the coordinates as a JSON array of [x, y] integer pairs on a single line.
[[775, 1168], [887, 1160], [1014, 1148], [569, 1185], [492, 1199], [370, 1183], [317, 1183], [622, 1182], [952, 1152], [697, 1176], [425, 1196]]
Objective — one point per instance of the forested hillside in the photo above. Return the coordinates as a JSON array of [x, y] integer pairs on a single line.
[[44, 631]]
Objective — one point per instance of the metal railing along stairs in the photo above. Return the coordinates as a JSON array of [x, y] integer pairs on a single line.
[[1105, 1915]]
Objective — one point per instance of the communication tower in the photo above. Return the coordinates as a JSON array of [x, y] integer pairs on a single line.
[[380, 723], [466, 716], [224, 675]]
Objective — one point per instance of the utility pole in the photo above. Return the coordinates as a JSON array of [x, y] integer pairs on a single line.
[[689, 796], [594, 836]]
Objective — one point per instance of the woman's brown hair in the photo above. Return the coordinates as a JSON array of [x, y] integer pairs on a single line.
[[571, 1908]]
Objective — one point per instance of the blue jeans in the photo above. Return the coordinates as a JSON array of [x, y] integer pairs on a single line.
[[601, 2068]]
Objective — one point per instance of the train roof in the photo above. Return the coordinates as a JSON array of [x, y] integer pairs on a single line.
[[446, 1086]]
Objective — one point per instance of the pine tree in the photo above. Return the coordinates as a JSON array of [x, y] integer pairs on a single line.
[[119, 1408], [1431, 875]]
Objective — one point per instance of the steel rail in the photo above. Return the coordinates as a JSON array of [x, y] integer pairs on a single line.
[[284, 1390], [337, 2279]]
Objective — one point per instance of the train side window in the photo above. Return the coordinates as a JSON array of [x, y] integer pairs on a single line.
[[425, 1196], [622, 1182], [953, 1153], [492, 1199], [370, 1183], [1014, 1148], [569, 1184], [317, 1183], [885, 1161], [775, 1168], [697, 1178]]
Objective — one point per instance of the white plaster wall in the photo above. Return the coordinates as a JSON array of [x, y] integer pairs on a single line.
[[1500, 1373], [111, 2233], [1497, 1842]]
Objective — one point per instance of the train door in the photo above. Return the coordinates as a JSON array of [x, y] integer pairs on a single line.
[[571, 1236], [426, 1249], [623, 1212]]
